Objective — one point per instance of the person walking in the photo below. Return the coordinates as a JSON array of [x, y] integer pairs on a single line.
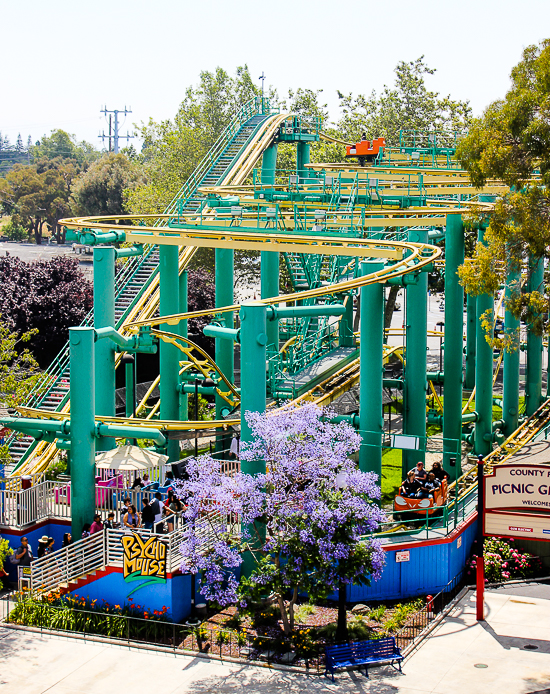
[[23, 555], [42, 544]]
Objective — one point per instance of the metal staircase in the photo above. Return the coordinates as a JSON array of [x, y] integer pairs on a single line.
[[136, 275]]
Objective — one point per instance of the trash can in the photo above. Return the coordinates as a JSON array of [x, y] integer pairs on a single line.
[[26, 481]]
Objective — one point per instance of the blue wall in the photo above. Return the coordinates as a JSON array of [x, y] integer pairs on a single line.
[[429, 569], [112, 588], [54, 529]]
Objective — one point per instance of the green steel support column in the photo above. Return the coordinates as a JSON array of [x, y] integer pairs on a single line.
[[533, 377], [371, 372], [454, 330], [270, 287], [81, 342], [253, 339], [269, 164], [414, 421], [182, 330], [484, 374], [104, 316], [169, 354], [345, 332], [471, 319], [224, 348], [510, 385], [130, 381], [270, 260], [302, 158]]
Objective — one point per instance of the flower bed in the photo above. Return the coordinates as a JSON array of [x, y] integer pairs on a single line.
[[254, 635], [505, 562]]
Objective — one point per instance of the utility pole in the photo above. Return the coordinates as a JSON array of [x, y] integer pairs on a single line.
[[114, 133], [262, 77]]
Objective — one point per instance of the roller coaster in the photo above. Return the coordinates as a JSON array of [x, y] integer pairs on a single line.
[[345, 232]]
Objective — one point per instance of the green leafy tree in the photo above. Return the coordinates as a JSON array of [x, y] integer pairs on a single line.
[[101, 189], [511, 142], [408, 105], [172, 149], [39, 194], [62, 144], [19, 369]]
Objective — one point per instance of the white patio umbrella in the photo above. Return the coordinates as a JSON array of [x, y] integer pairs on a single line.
[[129, 458]]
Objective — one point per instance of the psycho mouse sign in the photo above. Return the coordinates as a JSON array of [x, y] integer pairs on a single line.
[[144, 558], [517, 501]]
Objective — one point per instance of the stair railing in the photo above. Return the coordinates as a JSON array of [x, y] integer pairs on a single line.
[[66, 565]]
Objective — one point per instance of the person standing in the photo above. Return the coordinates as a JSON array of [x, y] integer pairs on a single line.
[[97, 525], [158, 509], [23, 555], [147, 515]]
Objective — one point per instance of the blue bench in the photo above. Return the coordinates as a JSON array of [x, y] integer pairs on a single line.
[[362, 653]]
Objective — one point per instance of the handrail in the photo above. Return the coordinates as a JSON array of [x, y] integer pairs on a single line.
[[78, 559]]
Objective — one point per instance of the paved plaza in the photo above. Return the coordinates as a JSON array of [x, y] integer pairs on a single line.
[[444, 664]]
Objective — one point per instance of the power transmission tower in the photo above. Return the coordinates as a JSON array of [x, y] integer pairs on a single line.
[[114, 135]]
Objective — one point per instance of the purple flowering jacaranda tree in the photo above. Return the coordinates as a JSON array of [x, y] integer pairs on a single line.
[[303, 527]]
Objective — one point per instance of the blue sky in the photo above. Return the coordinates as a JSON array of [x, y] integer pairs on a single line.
[[63, 61]]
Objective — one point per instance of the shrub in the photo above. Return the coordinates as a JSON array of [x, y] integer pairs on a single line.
[[377, 613], [14, 231], [504, 561], [302, 613]]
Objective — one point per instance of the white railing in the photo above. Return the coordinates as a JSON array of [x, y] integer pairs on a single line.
[[67, 564], [21, 507], [101, 549]]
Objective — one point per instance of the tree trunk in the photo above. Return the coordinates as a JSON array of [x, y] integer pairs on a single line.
[[38, 231], [390, 306], [282, 609], [342, 626]]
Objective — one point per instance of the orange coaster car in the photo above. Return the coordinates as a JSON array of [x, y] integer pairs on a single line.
[[403, 503], [366, 150]]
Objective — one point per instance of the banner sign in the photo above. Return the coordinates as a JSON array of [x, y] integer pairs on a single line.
[[143, 558], [517, 501]]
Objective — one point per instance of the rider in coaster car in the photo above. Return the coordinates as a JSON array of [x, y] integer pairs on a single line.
[[428, 487], [410, 486]]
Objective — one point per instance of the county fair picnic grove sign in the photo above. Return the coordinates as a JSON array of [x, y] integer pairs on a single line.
[[517, 501]]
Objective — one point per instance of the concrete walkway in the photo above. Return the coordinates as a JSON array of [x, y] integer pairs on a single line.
[[444, 664]]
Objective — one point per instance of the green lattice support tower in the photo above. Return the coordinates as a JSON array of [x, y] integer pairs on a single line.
[[483, 433], [533, 377], [452, 365], [510, 385], [169, 354], [104, 316], [415, 385], [371, 372], [81, 342], [470, 373]]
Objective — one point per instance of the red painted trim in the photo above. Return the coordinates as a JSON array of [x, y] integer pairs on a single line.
[[427, 543], [7, 530]]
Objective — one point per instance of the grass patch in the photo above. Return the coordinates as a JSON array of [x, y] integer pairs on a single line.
[[391, 474]]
